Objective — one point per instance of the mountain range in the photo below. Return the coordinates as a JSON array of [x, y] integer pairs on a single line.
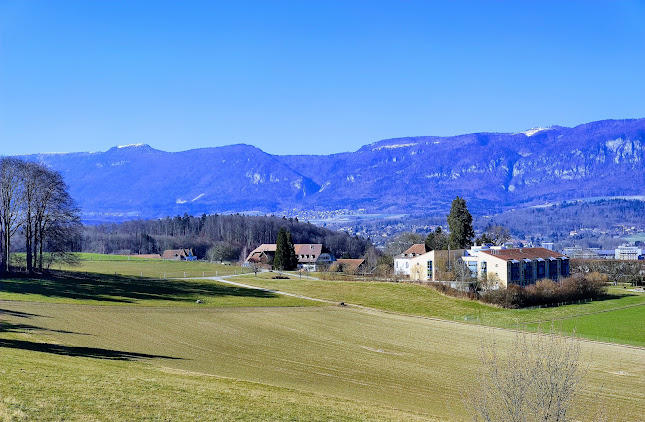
[[414, 175]]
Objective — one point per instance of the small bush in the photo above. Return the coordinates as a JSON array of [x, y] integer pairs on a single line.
[[280, 277]]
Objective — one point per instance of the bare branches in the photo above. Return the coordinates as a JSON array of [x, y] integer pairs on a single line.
[[35, 200], [537, 379], [11, 212]]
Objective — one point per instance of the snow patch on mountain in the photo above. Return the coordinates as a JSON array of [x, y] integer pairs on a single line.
[[533, 131], [131, 146], [394, 146]]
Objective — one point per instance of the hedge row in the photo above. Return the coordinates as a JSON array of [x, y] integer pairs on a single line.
[[547, 292]]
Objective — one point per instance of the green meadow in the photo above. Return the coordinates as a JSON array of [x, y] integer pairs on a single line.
[[89, 345], [152, 268], [617, 318]]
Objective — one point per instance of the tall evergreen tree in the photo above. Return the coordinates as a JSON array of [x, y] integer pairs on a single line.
[[436, 240], [293, 258], [281, 250], [461, 225]]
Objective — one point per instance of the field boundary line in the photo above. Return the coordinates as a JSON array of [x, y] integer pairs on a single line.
[[248, 286]]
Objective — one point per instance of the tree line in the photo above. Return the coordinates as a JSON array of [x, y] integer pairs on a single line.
[[218, 237], [36, 211]]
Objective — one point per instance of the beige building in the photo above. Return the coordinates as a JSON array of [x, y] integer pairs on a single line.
[[521, 266], [432, 265]]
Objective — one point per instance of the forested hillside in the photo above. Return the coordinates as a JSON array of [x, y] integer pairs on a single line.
[[232, 235]]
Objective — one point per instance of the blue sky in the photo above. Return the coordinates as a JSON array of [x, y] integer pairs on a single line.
[[308, 77]]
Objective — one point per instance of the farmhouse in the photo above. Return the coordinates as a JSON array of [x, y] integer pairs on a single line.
[[310, 255], [402, 262], [179, 255], [521, 266], [352, 266]]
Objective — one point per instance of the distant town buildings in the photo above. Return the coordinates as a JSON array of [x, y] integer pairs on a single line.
[[628, 253], [623, 253]]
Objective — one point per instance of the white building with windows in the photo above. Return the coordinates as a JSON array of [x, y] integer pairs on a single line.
[[521, 266], [402, 261], [628, 253]]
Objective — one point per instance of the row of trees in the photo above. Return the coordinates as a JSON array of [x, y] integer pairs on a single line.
[[35, 205], [217, 237]]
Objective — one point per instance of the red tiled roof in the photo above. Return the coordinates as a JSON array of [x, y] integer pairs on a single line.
[[523, 253], [414, 250], [417, 249], [311, 249]]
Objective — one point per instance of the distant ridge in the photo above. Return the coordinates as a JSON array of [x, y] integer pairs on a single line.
[[415, 175]]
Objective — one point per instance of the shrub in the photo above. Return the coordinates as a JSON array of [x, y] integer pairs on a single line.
[[510, 298], [547, 292]]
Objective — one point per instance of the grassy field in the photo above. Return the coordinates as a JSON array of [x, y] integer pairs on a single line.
[[54, 386], [404, 367], [104, 289], [253, 355], [153, 268], [596, 320], [158, 268]]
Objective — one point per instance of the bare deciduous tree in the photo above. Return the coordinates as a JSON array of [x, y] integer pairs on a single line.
[[57, 218], [537, 379], [35, 200], [11, 192]]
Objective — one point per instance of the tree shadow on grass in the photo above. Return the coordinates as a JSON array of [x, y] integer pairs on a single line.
[[87, 352], [6, 327], [59, 349], [17, 313], [124, 289]]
